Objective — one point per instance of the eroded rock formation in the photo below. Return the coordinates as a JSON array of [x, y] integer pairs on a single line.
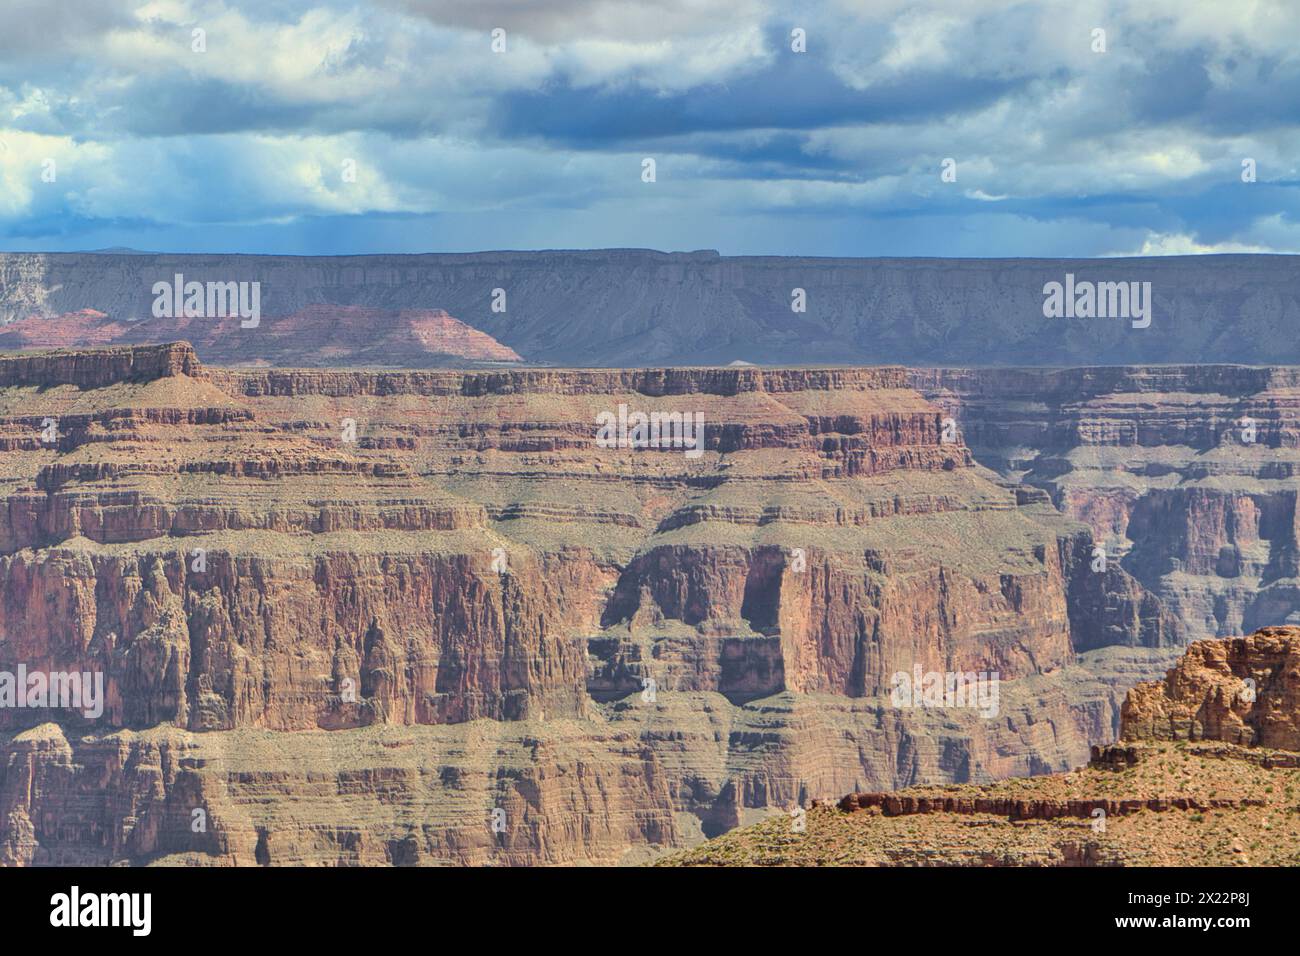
[[1245, 690]]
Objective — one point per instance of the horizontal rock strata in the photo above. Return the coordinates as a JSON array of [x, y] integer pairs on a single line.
[[349, 614], [1188, 476]]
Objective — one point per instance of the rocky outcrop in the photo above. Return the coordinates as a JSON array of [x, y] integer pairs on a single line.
[[99, 368], [620, 307], [1203, 775], [1245, 690], [901, 805]]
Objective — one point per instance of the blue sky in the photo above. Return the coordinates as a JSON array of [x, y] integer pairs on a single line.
[[244, 146]]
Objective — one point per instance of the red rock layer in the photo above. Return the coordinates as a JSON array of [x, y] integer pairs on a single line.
[[314, 335]]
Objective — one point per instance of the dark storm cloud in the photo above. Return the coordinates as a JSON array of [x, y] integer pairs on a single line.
[[792, 94]]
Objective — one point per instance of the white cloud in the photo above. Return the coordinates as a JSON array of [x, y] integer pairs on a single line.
[[1184, 244]]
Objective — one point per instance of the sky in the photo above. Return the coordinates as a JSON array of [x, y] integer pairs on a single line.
[[902, 128]]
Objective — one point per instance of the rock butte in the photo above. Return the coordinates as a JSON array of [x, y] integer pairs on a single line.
[[497, 589]]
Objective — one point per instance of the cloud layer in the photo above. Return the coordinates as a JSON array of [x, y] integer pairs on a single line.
[[428, 125]]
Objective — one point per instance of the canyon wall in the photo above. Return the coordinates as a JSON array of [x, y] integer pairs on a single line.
[[1187, 475], [419, 617], [621, 307]]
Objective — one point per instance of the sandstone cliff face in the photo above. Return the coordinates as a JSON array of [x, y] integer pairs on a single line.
[[349, 615], [98, 368], [1245, 690], [1187, 475], [618, 307]]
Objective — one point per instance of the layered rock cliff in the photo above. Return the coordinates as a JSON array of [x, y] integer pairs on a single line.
[[1187, 475], [426, 616], [620, 307]]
